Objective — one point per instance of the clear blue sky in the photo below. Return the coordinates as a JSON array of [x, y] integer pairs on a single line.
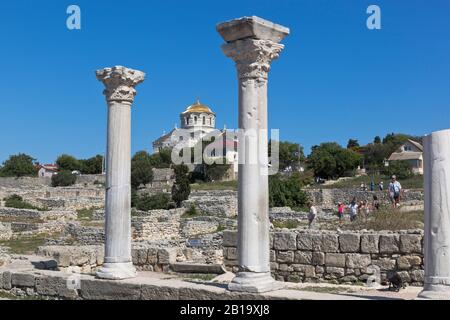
[[335, 79]]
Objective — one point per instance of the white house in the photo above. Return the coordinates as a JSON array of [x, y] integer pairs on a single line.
[[411, 152], [47, 170]]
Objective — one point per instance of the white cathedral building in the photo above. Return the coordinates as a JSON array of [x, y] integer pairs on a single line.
[[198, 120]]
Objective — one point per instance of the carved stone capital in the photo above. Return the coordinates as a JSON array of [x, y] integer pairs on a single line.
[[252, 56], [120, 82]]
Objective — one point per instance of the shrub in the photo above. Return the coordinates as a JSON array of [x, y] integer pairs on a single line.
[[286, 192], [399, 168], [191, 212], [63, 179], [16, 201], [154, 202]]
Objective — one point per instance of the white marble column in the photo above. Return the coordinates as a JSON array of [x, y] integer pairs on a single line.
[[253, 43], [119, 82], [437, 216]]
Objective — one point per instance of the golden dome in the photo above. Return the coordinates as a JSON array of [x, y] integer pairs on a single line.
[[198, 108]]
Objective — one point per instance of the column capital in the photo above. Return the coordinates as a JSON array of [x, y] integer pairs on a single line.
[[253, 56], [252, 43], [120, 82]]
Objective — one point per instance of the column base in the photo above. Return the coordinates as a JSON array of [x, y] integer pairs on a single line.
[[254, 282], [435, 292], [117, 271]]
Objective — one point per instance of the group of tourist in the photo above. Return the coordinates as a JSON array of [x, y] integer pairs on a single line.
[[362, 208]]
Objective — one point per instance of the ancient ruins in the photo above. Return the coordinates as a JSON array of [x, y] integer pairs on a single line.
[[86, 242]]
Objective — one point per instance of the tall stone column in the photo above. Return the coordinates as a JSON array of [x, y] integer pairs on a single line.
[[253, 43], [119, 82], [437, 216]]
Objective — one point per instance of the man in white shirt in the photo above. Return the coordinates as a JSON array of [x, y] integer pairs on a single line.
[[312, 213], [394, 191]]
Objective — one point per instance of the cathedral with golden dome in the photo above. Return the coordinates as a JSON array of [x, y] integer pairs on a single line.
[[198, 120]]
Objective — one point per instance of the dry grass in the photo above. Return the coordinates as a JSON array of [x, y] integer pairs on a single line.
[[388, 219]]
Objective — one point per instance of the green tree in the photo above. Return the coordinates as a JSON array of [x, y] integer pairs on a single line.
[[352, 144], [141, 169], [290, 154], [399, 168], [92, 165], [181, 188], [162, 159], [19, 165], [67, 162], [330, 160], [63, 179], [377, 140]]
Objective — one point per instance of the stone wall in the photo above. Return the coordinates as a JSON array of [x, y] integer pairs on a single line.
[[22, 214], [348, 257], [220, 203]]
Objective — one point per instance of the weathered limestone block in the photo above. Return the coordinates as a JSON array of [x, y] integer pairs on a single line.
[[404, 275], [303, 257], [335, 260], [167, 255], [152, 255], [6, 280], [385, 263], [22, 280], [285, 241], [229, 238], [330, 243], [55, 286], [349, 242], [285, 256], [335, 272], [307, 270], [4, 259], [109, 290], [410, 243], [318, 258], [304, 241], [285, 267], [417, 275], [389, 243], [406, 262], [370, 243], [355, 260]]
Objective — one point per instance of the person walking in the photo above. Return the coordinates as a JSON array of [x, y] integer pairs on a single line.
[[312, 214], [381, 185], [353, 210], [341, 208], [394, 191]]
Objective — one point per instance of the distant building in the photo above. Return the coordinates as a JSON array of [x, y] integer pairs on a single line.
[[199, 120], [47, 170], [411, 152]]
